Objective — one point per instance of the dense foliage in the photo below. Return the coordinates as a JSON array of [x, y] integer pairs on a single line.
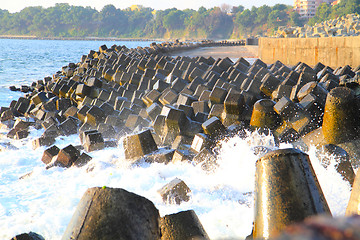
[[64, 20], [327, 12], [224, 22]]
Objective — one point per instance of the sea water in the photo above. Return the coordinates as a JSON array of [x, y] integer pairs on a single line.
[[45, 201]]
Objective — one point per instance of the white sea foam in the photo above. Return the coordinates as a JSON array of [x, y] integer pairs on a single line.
[[223, 200]]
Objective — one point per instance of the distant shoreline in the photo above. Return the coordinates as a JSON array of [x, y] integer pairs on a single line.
[[25, 37]]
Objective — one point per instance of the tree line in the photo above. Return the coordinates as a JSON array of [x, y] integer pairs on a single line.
[[224, 22], [64, 20]]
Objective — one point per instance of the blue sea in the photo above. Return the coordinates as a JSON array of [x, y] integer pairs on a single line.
[[45, 201]]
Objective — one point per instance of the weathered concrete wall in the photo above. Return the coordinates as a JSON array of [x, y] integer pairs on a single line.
[[331, 51]]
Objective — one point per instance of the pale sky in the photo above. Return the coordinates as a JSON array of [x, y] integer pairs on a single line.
[[17, 5]]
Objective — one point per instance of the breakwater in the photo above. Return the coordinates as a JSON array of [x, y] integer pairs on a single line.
[[332, 51], [165, 110]]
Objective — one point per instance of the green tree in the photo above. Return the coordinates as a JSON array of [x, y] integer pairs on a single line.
[[174, 20], [295, 19], [277, 18], [112, 21], [262, 14]]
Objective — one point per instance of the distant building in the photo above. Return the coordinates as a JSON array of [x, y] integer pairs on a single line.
[[307, 8]]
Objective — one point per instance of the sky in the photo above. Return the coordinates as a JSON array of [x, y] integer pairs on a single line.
[[17, 5]]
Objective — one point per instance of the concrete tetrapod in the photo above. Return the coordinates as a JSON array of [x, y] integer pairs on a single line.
[[182, 226], [286, 191], [113, 213], [264, 115], [340, 123], [353, 206]]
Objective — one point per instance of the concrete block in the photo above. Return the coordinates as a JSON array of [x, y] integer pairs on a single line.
[[161, 156], [69, 126], [18, 134], [71, 111], [181, 156], [181, 142], [67, 156], [214, 128], [168, 97], [153, 111], [264, 116], [285, 133], [160, 85], [94, 82], [200, 106], [282, 91], [175, 191], [216, 111], [39, 98], [82, 160], [62, 104], [159, 125], [185, 99], [81, 113], [225, 63], [314, 88], [94, 116], [269, 84], [205, 96], [107, 108], [113, 213], [286, 108], [196, 72], [138, 145], [175, 124], [92, 141], [133, 121], [206, 159], [178, 84], [114, 120], [43, 141], [201, 141], [151, 97], [107, 130], [218, 95], [234, 103], [49, 153]]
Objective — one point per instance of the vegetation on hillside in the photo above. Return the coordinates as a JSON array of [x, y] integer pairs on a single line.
[[224, 22], [327, 12], [64, 20]]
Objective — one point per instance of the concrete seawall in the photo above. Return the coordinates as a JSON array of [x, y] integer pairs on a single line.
[[332, 51]]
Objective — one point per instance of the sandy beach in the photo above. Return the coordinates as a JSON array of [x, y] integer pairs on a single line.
[[233, 52]]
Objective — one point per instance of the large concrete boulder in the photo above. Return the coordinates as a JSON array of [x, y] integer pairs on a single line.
[[113, 213], [181, 226]]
